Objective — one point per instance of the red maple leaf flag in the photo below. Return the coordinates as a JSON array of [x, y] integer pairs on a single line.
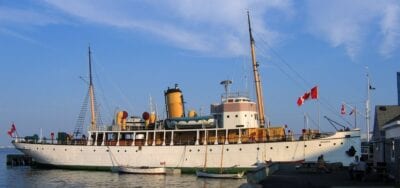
[[314, 92], [300, 101], [306, 96], [343, 110]]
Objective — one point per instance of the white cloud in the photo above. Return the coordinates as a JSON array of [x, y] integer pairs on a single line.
[[28, 17], [203, 26], [348, 24], [390, 27]]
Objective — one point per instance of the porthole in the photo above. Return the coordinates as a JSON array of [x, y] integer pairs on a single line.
[[287, 146], [227, 116], [334, 144], [210, 150], [190, 150], [65, 149], [117, 150], [271, 148], [319, 144], [227, 149], [305, 146], [341, 143], [258, 148], [107, 150], [198, 150], [94, 150], [54, 149], [81, 150], [236, 115], [125, 150], [240, 149]]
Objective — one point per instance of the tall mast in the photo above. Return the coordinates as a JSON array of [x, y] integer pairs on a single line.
[[260, 100], [91, 94], [367, 106]]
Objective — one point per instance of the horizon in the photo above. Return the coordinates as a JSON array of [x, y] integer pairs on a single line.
[[139, 49]]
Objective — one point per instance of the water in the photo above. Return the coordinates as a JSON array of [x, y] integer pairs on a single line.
[[25, 176]]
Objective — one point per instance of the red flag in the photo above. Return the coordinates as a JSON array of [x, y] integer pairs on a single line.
[[300, 101], [12, 130], [314, 92], [343, 110], [306, 96]]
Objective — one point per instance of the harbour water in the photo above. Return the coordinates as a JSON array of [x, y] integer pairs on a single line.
[[25, 176]]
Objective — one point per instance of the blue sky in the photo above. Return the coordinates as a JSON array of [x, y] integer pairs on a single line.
[[142, 47]]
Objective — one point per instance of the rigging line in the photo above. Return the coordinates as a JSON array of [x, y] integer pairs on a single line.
[[293, 79], [113, 83], [284, 61], [312, 120], [325, 103]]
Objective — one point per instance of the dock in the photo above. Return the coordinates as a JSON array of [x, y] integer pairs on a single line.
[[19, 160], [289, 175]]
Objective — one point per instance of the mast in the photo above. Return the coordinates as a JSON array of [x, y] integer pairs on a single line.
[[91, 94], [260, 100], [367, 105]]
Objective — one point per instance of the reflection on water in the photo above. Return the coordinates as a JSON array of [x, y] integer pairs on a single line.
[[29, 177]]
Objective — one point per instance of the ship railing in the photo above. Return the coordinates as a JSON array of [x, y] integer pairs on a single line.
[[188, 138], [235, 95], [46, 141]]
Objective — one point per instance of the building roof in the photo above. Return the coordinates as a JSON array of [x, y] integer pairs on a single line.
[[384, 114]]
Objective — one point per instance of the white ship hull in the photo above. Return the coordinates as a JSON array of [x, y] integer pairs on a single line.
[[192, 156]]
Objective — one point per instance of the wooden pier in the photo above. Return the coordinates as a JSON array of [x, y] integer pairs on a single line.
[[19, 160]]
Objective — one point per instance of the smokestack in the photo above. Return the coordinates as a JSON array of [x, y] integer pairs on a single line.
[[398, 88]]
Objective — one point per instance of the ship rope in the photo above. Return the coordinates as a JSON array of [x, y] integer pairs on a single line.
[[180, 163], [287, 69], [81, 118]]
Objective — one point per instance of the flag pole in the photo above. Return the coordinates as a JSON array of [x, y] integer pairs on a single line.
[[319, 115]]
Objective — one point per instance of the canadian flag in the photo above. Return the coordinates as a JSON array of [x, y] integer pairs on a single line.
[[313, 94], [343, 110], [12, 130]]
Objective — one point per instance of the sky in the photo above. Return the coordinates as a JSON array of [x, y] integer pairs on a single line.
[[140, 48]]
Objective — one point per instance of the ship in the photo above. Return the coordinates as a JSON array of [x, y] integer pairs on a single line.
[[235, 130]]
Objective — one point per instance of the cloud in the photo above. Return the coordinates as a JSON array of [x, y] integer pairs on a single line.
[[19, 36], [390, 27], [25, 16], [206, 26], [348, 24]]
